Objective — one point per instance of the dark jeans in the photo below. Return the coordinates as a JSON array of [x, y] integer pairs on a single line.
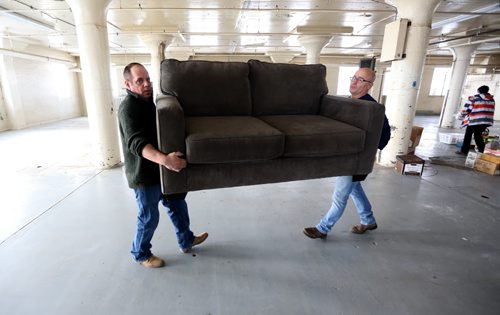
[[148, 217], [477, 130]]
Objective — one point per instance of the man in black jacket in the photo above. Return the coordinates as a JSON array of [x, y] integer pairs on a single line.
[[346, 186], [137, 122]]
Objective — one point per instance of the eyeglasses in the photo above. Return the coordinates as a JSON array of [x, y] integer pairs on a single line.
[[360, 80]]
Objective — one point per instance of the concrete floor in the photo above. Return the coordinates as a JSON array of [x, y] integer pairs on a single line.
[[66, 229]]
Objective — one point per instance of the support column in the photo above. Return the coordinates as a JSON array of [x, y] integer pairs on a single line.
[[281, 56], [406, 76], [157, 43], [180, 55], [313, 46], [461, 60], [91, 30]]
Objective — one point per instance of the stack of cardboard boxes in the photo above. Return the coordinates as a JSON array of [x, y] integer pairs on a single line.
[[410, 164], [416, 134], [488, 163]]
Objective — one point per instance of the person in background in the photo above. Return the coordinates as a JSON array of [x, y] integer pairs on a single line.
[[476, 116], [137, 123], [346, 186]]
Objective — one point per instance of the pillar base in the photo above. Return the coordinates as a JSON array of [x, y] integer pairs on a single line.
[[281, 56], [313, 45]]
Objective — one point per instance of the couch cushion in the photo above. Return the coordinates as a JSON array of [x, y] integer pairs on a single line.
[[286, 89], [316, 136], [231, 139], [207, 88]]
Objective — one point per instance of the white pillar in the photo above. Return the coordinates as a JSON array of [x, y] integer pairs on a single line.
[[406, 76], [179, 55], [91, 30], [313, 45], [461, 60], [281, 56], [157, 43]]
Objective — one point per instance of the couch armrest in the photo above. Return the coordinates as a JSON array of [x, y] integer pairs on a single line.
[[171, 129], [359, 113], [170, 124], [365, 115]]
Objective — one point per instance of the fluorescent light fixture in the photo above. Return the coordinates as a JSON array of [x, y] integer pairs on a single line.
[[323, 30]]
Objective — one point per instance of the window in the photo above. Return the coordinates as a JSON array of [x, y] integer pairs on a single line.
[[343, 81], [440, 81]]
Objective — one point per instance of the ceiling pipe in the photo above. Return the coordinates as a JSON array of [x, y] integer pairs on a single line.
[[26, 19], [297, 10], [465, 17], [17, 14], [494, 39], [25, 55], [184, 33], [254, 10], [480, 41], [203, 33], [391, 16], [464, 37], [250, 9]]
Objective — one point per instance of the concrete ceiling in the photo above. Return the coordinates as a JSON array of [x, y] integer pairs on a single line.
[[249, 27]]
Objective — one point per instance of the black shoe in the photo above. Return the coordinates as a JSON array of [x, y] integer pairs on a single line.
[[460, 152], [313, 232]]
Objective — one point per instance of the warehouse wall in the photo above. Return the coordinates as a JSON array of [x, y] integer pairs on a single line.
[[35, 90]]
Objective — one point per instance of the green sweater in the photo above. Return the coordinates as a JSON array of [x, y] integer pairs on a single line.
[[137, 122]]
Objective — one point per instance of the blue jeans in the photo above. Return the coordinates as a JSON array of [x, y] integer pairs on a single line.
[[147, 199], [344, 186]]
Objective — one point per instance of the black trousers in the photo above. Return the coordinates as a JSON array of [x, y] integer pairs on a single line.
[[477, 131]]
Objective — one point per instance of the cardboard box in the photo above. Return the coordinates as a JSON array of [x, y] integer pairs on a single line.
[[409, 164], [491, 157], [470, 161], [416, 134], [487, 167], [450, 138]]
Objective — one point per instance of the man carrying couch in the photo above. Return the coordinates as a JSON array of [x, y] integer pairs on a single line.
[[137, 122], [346, 186]]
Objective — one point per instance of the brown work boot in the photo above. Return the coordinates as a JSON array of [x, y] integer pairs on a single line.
[[361, 228], [153, 262], [198, 239], [312, 232]]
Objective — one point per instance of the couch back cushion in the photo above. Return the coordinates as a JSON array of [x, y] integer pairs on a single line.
[[286, 89], [207, 88]]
